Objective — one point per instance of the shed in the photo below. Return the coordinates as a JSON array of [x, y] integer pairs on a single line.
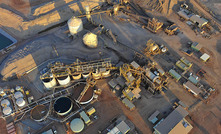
[[91, 111], [153, 118], [192, 88], [128, 103], [181, 65], [204, 57], [198, 20], [186, 62], [183, 15], [174, 74], [85, 117], [196, 46], [194, 80]]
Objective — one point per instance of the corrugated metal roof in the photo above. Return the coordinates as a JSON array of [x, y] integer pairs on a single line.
[[196, 18], [205, 57], [123, 127], [192, 87], [183, 14], [128, 103], [174, 74], [171, 120], [153, 115], [135, 65], [113, 83], [85, 117]]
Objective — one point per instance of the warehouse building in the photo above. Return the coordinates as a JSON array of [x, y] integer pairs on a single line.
[[174, 123]]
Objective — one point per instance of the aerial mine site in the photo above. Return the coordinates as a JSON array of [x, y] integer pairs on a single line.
[[110, 66]]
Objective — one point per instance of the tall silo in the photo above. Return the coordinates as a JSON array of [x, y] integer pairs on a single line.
[[75, 25]]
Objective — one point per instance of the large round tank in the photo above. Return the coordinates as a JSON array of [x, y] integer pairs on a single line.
[[5, 103], [63, 106], [90, 40], [49, 82], [76, 76], [77, 125], [7, 110], [39, 113], [75, 25], [64, 80], [20, 102], [87, 97], [18, 95]]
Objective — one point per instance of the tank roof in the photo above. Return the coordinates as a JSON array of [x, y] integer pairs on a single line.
[[39, 112], [77, 125]]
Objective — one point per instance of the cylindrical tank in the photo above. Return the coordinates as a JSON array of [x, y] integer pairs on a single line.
[[76, 76], [75, 25], [96, 75], [77, 125], [64, 80], [20, 102], [18, 95], [85, 74], [63, 106], [39, 113], [7, 110], [49, 82], [90, 40], [5, 103], [87, 97], [106, 73]]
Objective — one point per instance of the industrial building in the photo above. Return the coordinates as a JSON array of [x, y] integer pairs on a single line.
[[198, 20], [192, 88], [174, 123]]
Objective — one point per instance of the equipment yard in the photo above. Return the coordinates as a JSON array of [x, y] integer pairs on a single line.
[[110, 67]]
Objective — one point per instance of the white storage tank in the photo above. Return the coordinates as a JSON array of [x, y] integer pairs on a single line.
[[64, 80], [20, 102], [104, 72], [5, 103], [49, 82], [75, 25], [18, 95], [7, 110], [90, 40]]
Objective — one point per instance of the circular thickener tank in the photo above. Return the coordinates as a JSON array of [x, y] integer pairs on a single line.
[[49, 82], [64, 80], [5, 103], [7, 110], [77, 125], [75, 25], [18, 95], [63, 106], [87, 97], [39, 112], [20, 102], [90, 40]]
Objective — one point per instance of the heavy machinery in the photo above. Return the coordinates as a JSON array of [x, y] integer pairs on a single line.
[[172, 30], [153, 49], [154, 25]]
